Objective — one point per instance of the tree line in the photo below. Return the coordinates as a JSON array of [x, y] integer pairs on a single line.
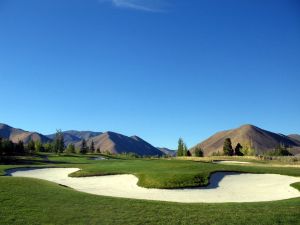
[[183, 150], [9, 148], [239, 150], [229, 150]]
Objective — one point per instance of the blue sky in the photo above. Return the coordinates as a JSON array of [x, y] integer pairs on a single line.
[[161, 69]]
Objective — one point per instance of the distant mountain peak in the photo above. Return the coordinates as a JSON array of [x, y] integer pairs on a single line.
[[16, 134], [118, 143], [74, 136], [248, 126]]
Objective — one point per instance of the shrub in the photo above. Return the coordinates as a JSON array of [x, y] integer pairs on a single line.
[[198, 152]]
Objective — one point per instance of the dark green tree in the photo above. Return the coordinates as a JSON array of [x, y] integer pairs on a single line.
[[59, 143], [38, 146], [8, 147], [20, 147], [185, 150], [189, 153], [92, 147], [227, 147], [70, 149], [98, 150], [31, 146], [48, 147], [83, 147], [280, 150], [238, 150], [198, 152], [180, 147]]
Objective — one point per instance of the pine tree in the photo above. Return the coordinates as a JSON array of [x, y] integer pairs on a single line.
[[83, 147], [8, 147], [31, 146], [48, 147], [92, 147], [70, 148], [59, 143], [38, 146], [237, 150], [180, 147], [198, 152], [20, 147], [185, 150], [227, 147]]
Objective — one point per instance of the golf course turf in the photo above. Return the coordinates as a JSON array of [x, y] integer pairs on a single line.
[[33, 201]]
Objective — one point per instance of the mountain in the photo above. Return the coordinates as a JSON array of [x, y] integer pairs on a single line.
[[295, 137], [15, 134], [168, 151], [261, 140], [73, 136], [118, 143], [83, 134]]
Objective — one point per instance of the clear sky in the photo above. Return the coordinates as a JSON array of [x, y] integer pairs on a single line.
[[159, 69]]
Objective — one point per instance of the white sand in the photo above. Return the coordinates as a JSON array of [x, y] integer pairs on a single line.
[[229, 162], [98, 158], [224, 187]]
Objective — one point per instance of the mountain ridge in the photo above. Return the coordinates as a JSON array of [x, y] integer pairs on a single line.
[[74, 136], [295, 136], [17, 134], [116, 143]]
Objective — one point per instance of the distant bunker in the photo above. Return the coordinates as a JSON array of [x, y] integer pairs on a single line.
[[229, 162]]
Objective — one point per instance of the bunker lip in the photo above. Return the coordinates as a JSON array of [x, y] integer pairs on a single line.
[[98, 158], [9, 172], [229, 162], [223, 187]]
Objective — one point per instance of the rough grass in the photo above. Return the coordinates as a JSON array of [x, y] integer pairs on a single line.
[[37, 202], [275, 160]]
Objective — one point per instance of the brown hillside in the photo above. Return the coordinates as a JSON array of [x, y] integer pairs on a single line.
[[261, 140], [295, 137], [16, 135], [118, 143]]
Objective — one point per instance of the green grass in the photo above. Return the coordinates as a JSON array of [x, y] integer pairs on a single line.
[[32, 201]]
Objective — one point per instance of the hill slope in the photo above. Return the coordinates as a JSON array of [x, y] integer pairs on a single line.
[[15, 134], [295, 136], [74, 136], [261, 140], [117, 143], [168, 151]]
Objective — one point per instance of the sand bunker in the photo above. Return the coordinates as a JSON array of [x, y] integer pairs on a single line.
[[98, 158], [224, 187], [229, 162]]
